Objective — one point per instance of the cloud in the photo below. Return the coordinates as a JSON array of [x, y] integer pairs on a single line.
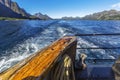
[[117, 5]]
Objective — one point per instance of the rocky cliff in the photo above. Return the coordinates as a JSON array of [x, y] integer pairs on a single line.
[[13, 6], [7, 3], [7, 12], [8, 8], [17, 9]]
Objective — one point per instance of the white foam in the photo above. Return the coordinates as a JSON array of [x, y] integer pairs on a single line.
[[32, 45], [26, 48], [2, 62], [20, 52], [102, 54]]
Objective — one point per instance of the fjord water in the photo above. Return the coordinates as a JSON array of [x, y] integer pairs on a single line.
[[19, 39]]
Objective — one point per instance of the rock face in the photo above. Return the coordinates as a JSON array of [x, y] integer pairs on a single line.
[[9, 8], [7, 3], [7, 12], [41, 16], [14, 7], [105, 15], [17, 9]]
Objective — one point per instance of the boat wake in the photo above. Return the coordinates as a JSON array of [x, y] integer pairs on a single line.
[[27, 37]]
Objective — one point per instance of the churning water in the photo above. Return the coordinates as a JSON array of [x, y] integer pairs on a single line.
[[20, 39]]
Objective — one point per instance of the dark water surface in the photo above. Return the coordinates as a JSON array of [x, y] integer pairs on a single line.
[[19, 39]]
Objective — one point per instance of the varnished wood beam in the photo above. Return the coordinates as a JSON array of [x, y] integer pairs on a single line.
[[34, 66]]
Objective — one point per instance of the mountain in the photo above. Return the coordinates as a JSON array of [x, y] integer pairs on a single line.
[[7, 3], [17, 9], [14, 7], [41, 16], [7, 12], [11, 9], [104, 15]]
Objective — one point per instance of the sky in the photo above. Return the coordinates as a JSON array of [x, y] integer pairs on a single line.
[[61, 8]]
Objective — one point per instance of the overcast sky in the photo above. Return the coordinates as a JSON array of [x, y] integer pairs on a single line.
[[60, 8]]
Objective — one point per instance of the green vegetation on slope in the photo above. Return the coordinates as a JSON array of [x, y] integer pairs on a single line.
[[8, 18]]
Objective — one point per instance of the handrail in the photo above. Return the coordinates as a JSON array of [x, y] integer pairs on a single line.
[[100, 60], [100, 48], [99, 34]]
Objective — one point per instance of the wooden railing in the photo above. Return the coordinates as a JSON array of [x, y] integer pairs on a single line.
[[39, 65]]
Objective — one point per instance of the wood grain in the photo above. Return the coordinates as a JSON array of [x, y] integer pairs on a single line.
[[34, 66]]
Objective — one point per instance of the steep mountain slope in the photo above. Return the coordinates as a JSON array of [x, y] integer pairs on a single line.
[[7, 12], [14, 7], [17, 9], [8, 8], [7, 3]]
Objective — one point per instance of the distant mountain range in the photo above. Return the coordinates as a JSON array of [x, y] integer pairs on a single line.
[[11, 9], [71, 18], [104, 15]]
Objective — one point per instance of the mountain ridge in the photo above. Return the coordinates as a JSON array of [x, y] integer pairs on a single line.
[[14, 7], [11, 9], [103, 15], [9, 12], [41, 16]]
